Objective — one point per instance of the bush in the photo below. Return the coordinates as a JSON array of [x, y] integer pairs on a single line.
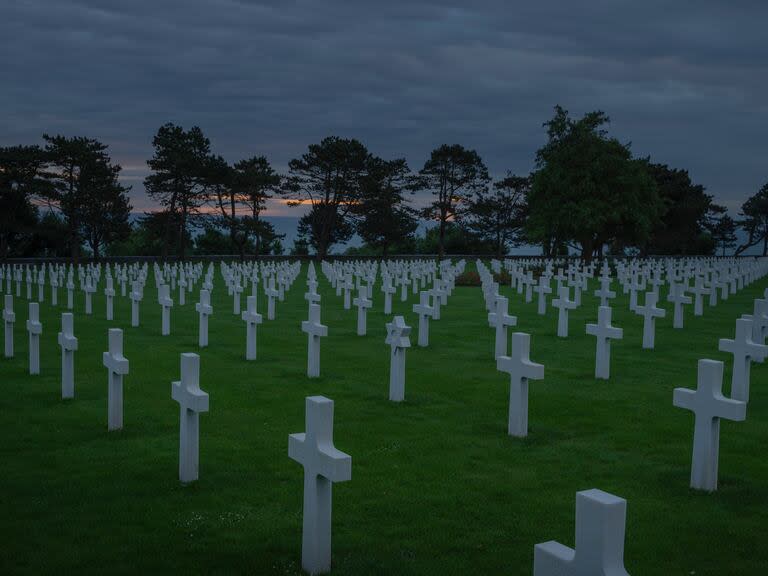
[[471, 278]]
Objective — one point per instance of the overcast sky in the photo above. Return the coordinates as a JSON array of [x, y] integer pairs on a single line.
[[685, 82]]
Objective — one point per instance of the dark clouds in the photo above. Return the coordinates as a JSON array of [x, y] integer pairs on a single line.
[[685, 82]]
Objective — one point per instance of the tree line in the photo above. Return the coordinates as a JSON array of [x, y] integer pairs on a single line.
[[587, 192]]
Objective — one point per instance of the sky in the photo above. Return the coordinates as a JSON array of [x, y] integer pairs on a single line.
[[686, 82]]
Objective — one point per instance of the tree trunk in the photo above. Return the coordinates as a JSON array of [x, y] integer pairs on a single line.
[[441, 240]]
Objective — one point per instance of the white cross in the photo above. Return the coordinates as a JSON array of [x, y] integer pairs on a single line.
[[699, 290], [347, 286], [35, 329], [678, 297], [314, 331], [9, 318], [204, 310], [362, 304], [164, 299], [237, 289], [251, 318], [90, 289], [709, 405], [109, 292], [182, 292], [271, 295], [605, 293], [650, 312], [425, 311], [600, 526], [311, 295], [604, 332], [520, 369], [192, 401], [323, 465], [68, 344], [398, 337], [117, 367], [136, 298], [563, 305], [542, 289], [388, 290], [500, 319], [744, 351]]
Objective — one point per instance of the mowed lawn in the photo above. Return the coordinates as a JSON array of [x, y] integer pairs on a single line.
[[437, 485]]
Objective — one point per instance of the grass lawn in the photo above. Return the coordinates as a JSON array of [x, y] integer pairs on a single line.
[[437, 485]]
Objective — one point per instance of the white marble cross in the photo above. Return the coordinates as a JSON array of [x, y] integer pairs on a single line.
[[237, 289], [117, 367], [500, 319], [271, 295], [362, 303], [604, 332], [109, 293], [542, 289], [563, 305], [90, 290], [35, 329], [699, 291], [192, 401], [182, 290], [744, 351], [70, 293], [605, 293], [204, 310], [314, 330], [252, 319], [600, 526], [708, 405], [388, 290], [54, 290], [650, 312], [520, 369], [9, 319], [677, 296], [136, 297], [164, 299], [425, 311], [398, 337], [311, 295], [68, 344], [347, 286], [323, 465]]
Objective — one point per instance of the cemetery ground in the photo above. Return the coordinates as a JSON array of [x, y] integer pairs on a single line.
[[438, 487]]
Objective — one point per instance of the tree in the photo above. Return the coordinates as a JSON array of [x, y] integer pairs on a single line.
[[328, 176], [105, 208], [688, 213], [588, 189], [178, 179], [384, 219], [21, 180], [724, 233], [754, 213], [452, 174], [255, 181], [322, 227], [147, 236], [78, 168], [239, 193], [457, 240], [499, 215]]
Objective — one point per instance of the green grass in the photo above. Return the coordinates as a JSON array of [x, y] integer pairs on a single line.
[[437, 485]]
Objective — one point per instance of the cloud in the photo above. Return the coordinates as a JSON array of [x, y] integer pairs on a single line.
[[684, 81]]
